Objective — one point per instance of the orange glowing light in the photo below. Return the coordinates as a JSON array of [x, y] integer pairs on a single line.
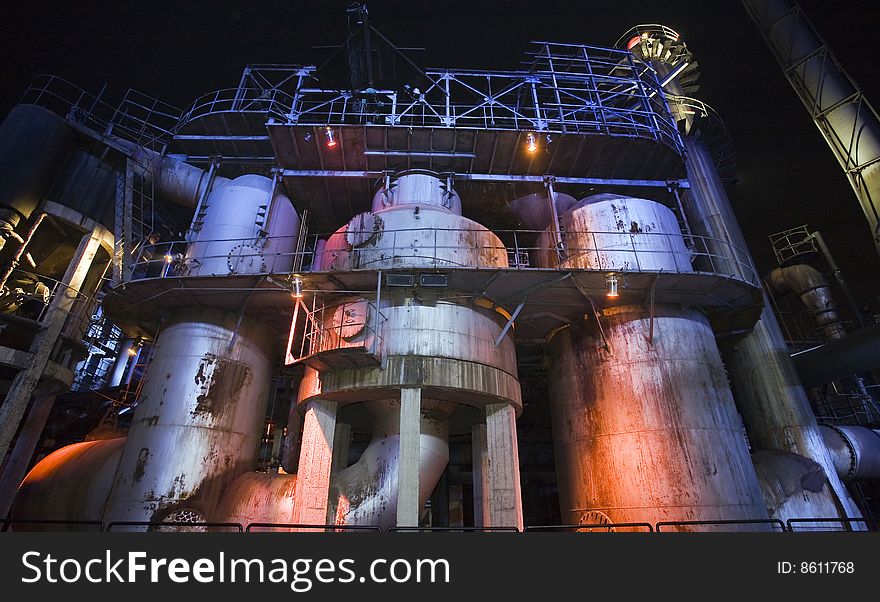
[[612, 284], [531, 143]]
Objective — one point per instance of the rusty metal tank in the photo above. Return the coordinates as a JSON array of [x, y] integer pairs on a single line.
[[198, 420], [644, 428], [427, 338]]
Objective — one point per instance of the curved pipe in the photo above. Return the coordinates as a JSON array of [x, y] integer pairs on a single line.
[[855, 450], [175, 180], [71, 483], [366, 492], [815, 293]]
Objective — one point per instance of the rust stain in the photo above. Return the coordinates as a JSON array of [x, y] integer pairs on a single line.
[[222, 387], [141, 464]]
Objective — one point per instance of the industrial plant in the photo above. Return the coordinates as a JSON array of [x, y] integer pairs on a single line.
[[366, 294]]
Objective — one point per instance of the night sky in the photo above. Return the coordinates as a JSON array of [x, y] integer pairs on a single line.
[[176, 51]]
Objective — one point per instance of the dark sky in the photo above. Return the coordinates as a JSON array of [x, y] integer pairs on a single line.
[[178, 50]]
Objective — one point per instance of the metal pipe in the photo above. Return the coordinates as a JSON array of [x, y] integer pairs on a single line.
[[366, 493], [814, 291], [175, 180], [768, 392], [854, 449]]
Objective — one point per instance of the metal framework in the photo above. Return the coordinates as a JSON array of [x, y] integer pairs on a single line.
[[846, 119], [569, 89]]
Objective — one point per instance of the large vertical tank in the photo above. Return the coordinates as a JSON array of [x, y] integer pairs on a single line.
[[199, 418], [447, 344], [644, 430], [34, 145], [201, 411]]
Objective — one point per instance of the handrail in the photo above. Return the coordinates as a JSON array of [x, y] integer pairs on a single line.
[[333, 528], [605, 252], [609, 527], [175, 524], [721, 523], [255, 527]]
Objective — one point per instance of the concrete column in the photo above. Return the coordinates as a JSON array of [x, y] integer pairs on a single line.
[[16, 467], [480, 455], [456, 506], [315, 459], [408, 477], [505, 497], [341, 441], [291, 446], [25, 382]]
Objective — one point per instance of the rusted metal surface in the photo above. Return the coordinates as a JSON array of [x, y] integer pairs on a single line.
[[444, 348], [644, 424], [366, 492], [794, 486], [814, 291], [619, 234], [648, 432], [769, 394], [71, 483], [198, 421], [257, 497], [855, 451]]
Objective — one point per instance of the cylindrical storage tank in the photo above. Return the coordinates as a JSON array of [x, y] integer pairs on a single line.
[[417, 187], [199, 417], [417, 223], [647, 432], [243, 232], [644, 426], [412, 236], [613, 233], [448, 343], [34, 146], [87, 184], [71, 483]]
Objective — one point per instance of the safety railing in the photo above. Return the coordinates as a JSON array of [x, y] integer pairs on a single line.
[[794, 525], [174, 526], [438, 248], [300, 528], [352, 325], [268, 101], [31, 296], [595, 528], [567, 89], [452, 530], [139, 118], [52, 525], [772, 524], [796, 242]]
